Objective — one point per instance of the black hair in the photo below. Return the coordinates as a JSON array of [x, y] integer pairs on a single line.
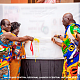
[[3, 22], [14, 25]]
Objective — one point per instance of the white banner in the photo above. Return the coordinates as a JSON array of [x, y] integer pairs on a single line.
[[41, 21]]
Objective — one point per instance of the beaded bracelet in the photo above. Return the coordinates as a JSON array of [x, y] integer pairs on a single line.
[[58, 36]]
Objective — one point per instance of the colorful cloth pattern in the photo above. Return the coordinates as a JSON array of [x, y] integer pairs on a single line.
[[17, 48], [5, 56], [70, 53], [18, 53]]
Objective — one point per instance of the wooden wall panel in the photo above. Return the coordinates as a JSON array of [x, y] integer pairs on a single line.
[[67, 1], [15, 1], [29, 1], [19, 1], [23, 1], [5, 1], [34, 1]]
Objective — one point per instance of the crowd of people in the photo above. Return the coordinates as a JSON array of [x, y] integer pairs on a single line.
[[12, 48]]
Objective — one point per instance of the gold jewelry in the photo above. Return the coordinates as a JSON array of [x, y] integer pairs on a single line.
[[58, 36]]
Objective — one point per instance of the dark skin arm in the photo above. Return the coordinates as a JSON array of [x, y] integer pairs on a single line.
[[14, 38], [78, 37], [61, 37], [56, 42]]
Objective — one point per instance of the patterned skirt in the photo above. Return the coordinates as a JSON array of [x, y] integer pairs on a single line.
[[70, 69], [4, 71]]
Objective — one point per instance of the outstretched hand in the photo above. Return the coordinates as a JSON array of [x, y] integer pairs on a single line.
[[52, 39], [55, 35], [31, 38]]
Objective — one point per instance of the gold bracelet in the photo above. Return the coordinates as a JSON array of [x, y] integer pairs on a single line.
[[58, 36]]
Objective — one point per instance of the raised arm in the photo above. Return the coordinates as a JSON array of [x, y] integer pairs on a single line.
[[56, 42], [59, 36], [78, 37], [14, 38]]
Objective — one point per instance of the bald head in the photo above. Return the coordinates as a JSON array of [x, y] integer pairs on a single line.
[[67, 19], [69, 16], [6, 25]]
